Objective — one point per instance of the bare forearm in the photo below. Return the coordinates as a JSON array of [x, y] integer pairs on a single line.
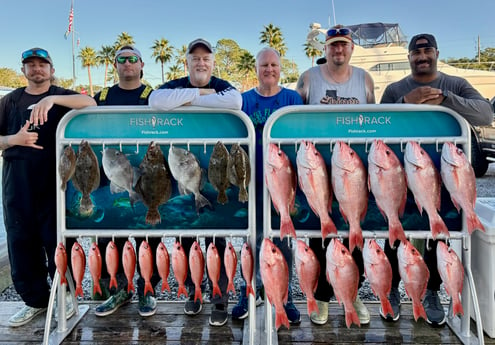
[[74, 101]]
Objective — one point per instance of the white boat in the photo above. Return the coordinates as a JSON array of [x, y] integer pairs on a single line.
[[381, 49]]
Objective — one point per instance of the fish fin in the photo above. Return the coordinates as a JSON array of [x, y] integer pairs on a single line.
[[243, 194], [199, 295], [231, 287], [249, 290], [182, 291], [418, 310], [63, 280], [222, 197], [134, 197], [351, 317], [148, 288], [115, 188], [287, 228], [474, 223], [97, 288], [386, 307], [281, 318], [355, 240], [312, 306], [113, 282], [438, 227], [153, 216], [216, 291], [396, 232], [165, 286], [457, 306], [327, 228], [79, 291], [201, 202], [130, 287]]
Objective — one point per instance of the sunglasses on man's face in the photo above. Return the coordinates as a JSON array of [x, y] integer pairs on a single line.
[[35, 53], [338, 32], [131, 59]]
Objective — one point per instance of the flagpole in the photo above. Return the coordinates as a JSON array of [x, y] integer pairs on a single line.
[[73, 55]]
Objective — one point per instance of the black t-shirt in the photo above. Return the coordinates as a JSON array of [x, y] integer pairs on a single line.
[[119, 96]]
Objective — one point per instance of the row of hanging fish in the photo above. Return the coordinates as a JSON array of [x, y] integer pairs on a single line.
[[385, 177], [151, 182], [181, 265], [343, 274]]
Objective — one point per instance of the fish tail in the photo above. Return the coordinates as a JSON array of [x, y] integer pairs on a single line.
[[438, 227], [182, 291], [199, 295], [351, 317], [243, 194], [216, 291], [130, 287], [153, 216], [418, 310], [312, 306], [457, 306], [287, 228], [396, 232], [165, 286], [386, 306], [231, 287], [281, 318], [249, 290], [327, 228], [148, 288], [79, 291], [97, 288], [113, 282], [222, 197], [134, 197], [355, 240], [63, 279], [474, 223], [201, 202], [86, 206]]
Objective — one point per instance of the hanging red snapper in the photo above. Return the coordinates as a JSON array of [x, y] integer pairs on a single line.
[[230, 262], [315, 183], [95, 267], [459, 179], [197, 267], [146, 266], [275, 276], [424, 182], [179, 266], [78, 262], [387, 182], [61, 262], [280, 178], [451, 271], [379, 273], [343, 274], [129, 264], [163, 265], [247, 266], [308, 271], [415, 274], [112, 262], [351, 191], [213, 264]]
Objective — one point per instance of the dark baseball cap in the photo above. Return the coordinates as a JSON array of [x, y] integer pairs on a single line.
[[197, 42], [431, 42], [39, 53]]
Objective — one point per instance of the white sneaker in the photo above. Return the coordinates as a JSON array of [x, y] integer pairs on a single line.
[[69, 308], [320, 318], [25, 315], [362, 311]]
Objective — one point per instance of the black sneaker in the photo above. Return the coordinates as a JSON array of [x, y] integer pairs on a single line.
[[147, 305], [293, 314], [394, 299], [219, 315], [241, 309], [113, 303], [435, 315], [191, 307]]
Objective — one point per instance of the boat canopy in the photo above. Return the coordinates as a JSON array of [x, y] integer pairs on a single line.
[[377, 34]]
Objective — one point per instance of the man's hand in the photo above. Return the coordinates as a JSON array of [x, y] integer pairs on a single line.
[[424, 95], [25, 138], [203, 92], [39, 111]]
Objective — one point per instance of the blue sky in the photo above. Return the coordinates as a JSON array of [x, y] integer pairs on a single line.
[[28, 23]]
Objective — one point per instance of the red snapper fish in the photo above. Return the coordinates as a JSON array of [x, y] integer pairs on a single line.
[[197, 267], [129, 264], [78, 262], [452, 273], [247, 267], [459, 179], [387, 182], [343, 274], [424, 182], [179, 266], [378, 270], [415, 274], [213, 264], [146, 266], [280, 178], [275, 276], [351, 191], [61, 262], [95, 267], [308, 271], [163, 265], [230, 262], [315, 183], [112, 262]]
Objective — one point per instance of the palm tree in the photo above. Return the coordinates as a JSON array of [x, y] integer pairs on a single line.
[[106, 56], [174, 72], [122, 40], [88, 59], [272, 36], [162, 52], [311, 52], [180, 58], [246, 66]]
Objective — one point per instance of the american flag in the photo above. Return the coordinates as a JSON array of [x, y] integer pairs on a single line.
[[71, 18]]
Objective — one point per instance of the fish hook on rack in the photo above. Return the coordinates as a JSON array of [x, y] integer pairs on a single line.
[[366, 146], [332, 145], [180, 235], [103, 146], [120, 146], [137, 147], [188, 146], [295, 146], [437, 146], [204, 147], [427, 244]]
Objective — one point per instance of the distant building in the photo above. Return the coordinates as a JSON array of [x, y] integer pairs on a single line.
[[4, 90]]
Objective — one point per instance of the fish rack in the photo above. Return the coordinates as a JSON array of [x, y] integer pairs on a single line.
[[358, 126], [131, 129]]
